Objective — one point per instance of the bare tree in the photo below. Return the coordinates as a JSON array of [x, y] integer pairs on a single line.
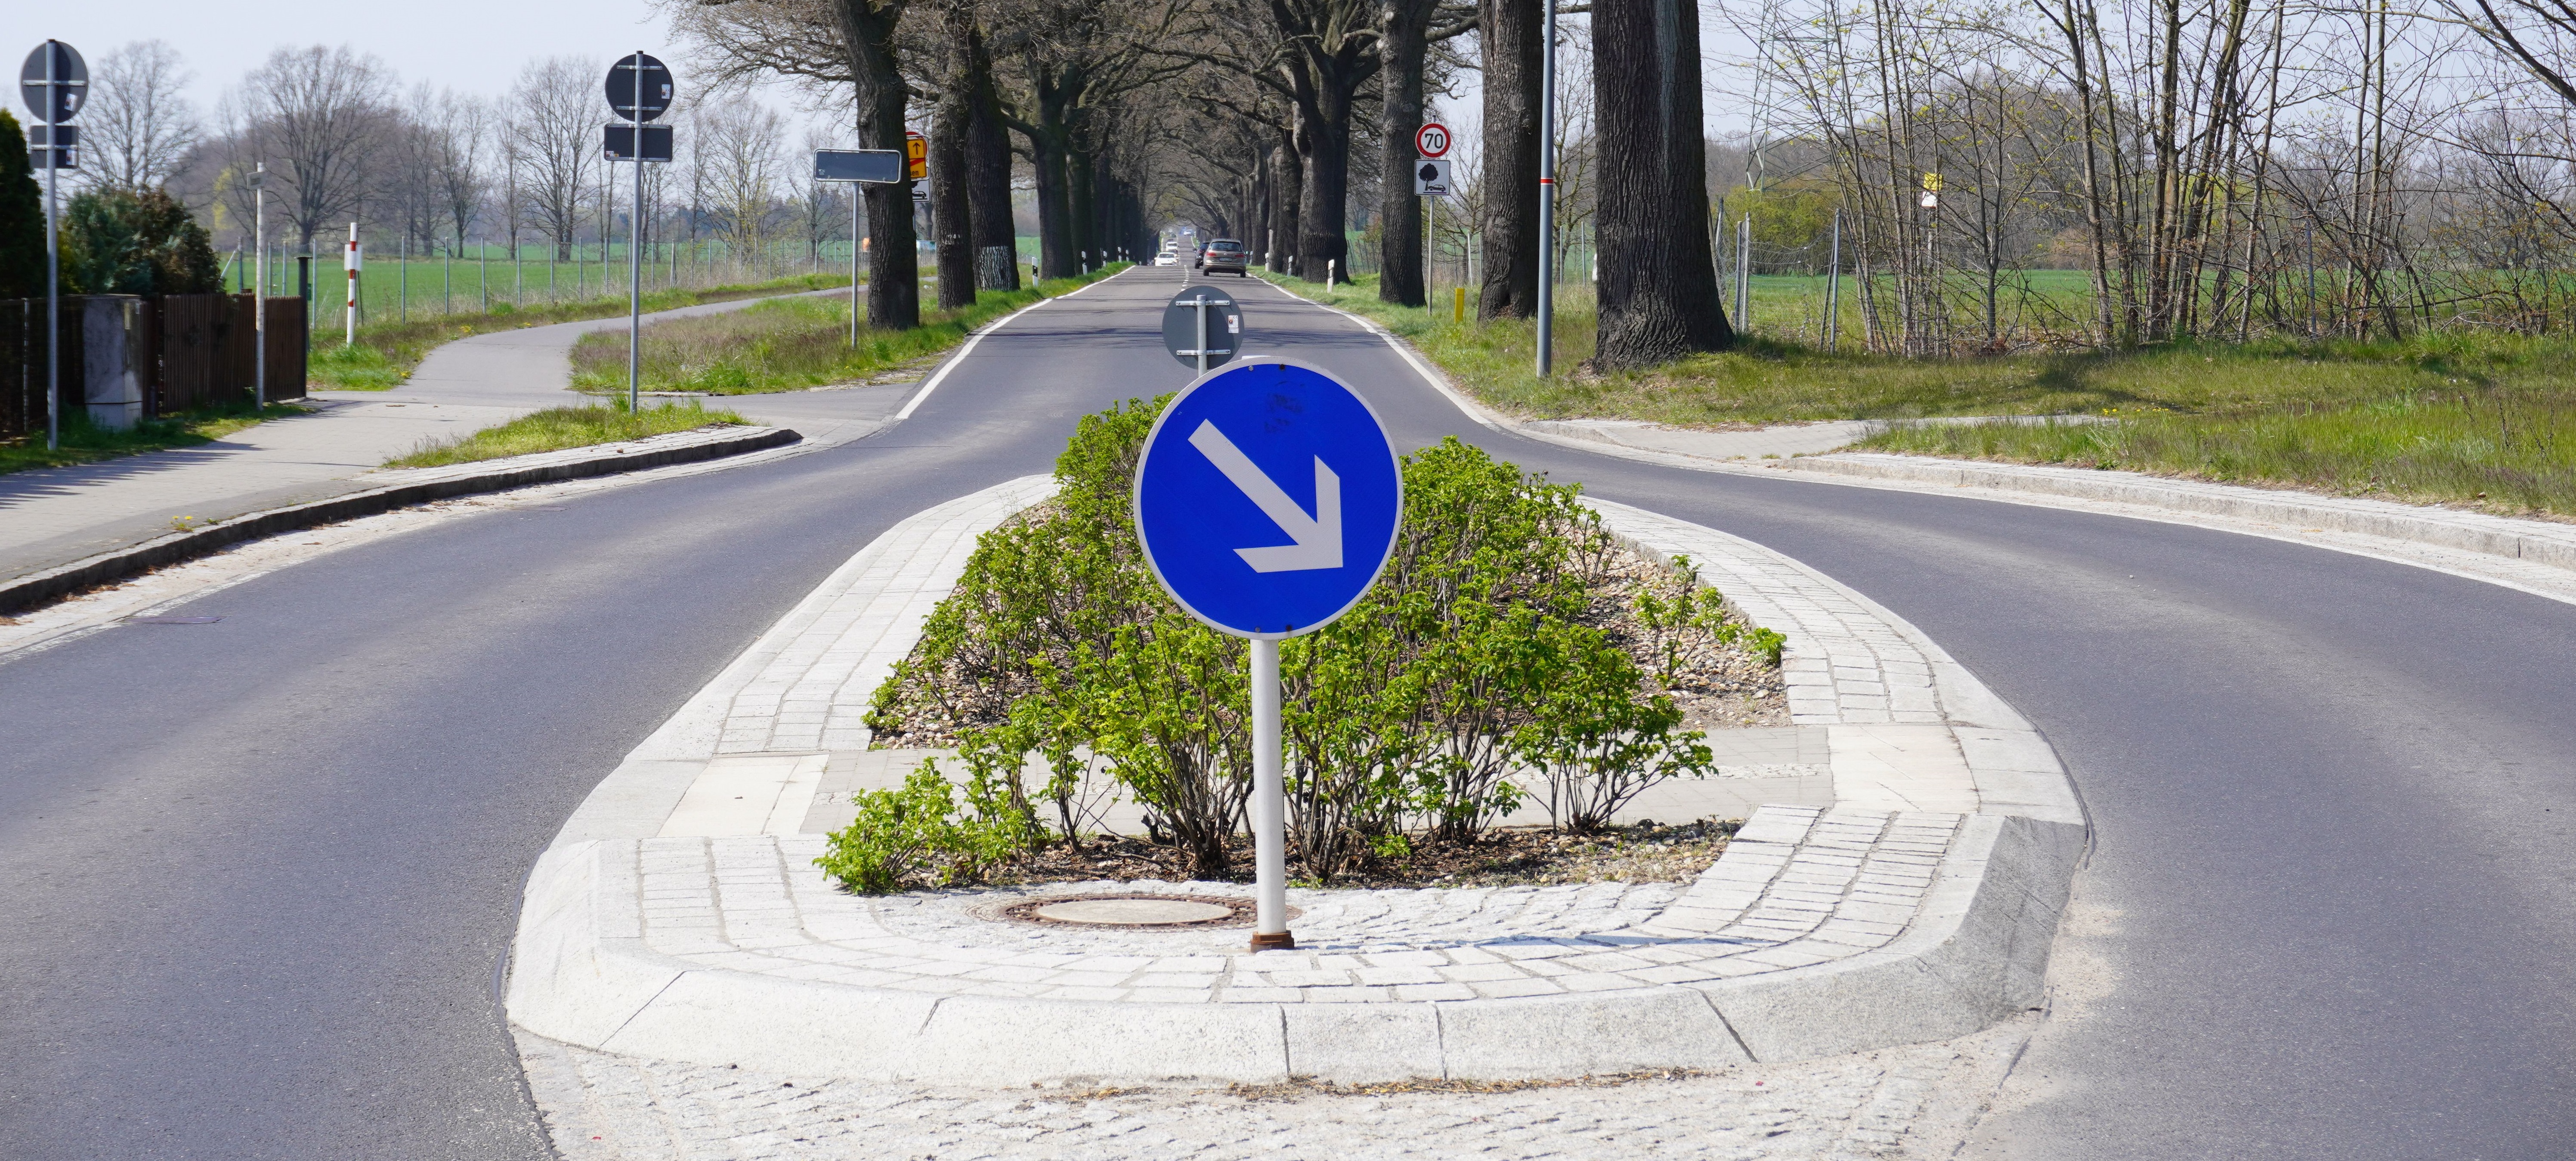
[[456, 140], [137, 128], [321, 118], [553, 133], [736, 147]]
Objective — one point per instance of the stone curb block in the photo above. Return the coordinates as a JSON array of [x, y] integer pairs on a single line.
[[1976, 951], [2470, 531], [178, 547]]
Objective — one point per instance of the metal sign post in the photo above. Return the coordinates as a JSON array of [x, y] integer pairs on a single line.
[[259, 286], [54, 82], [1547, 192], [857, 166], [1186, 327], [639, 88], [1212, 499], [1432, 141]]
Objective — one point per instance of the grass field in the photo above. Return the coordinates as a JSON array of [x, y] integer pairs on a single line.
[[385, 353], [787, 345], [83, 443], [557, 428], [2477, 420]]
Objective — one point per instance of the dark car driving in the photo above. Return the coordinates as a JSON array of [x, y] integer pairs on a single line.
[[1223, 255]]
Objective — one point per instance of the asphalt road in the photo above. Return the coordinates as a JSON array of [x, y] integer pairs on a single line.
[[255, 876]]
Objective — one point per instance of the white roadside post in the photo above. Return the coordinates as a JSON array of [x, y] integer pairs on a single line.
[[349, 312], [1209, 514]]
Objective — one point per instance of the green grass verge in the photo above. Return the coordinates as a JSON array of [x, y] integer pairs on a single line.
[[557, 428], [385, 353], [788, 345], [83, 443], [2470, 419]]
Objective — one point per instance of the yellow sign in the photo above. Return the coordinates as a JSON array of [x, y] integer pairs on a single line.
[[916, 156], [1932, 183]]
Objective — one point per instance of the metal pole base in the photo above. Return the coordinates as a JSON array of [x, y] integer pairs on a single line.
[[1275, 941]]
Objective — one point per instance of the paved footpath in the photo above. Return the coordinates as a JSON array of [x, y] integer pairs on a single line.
[[55, 516]]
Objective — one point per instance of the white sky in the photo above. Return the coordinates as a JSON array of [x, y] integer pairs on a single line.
[[474, 46], [479, 46]]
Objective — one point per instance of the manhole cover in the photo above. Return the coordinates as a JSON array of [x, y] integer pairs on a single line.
[[1133, 911]]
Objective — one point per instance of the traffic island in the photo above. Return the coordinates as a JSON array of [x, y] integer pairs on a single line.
[[679, 914]]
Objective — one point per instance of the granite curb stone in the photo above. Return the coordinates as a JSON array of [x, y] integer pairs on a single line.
[[409, 486]]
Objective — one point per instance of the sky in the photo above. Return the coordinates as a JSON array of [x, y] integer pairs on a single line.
[[473, 46], [479, 46]]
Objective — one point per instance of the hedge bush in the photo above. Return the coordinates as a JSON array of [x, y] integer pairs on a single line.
[[1495, 642]]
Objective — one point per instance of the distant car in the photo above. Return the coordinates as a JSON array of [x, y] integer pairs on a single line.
[[1167, 258], [1224, 255]]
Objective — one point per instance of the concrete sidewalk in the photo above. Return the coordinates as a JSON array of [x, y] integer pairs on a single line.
[[53, 517]]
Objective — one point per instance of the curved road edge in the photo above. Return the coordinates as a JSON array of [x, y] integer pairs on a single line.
[[1914, 736], [417, 486]]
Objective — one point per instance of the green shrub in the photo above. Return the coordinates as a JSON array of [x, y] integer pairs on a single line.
[[917, 833], [1485, 649]]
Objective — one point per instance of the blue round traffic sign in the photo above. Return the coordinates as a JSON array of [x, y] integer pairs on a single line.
[[1268, 498]]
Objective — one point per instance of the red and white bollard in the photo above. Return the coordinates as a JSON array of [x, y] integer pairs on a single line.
[[353, 262]]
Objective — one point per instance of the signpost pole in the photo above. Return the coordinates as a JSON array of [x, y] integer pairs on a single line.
[[259, 287], [1269, 805], [53, 259], [635, 253], [854, 263], [1547, 193], [1202, 305], [349, 309], [855, 201]]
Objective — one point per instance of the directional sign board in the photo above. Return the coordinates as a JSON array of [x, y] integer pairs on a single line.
[[619, 142], [623, 74], [70, 81], [1431, 178], [1267, 499], [883, 166], [1432, 139], [1224, 326]]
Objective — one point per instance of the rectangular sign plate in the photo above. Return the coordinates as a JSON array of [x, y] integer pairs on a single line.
[[619, 142], [870, 165]]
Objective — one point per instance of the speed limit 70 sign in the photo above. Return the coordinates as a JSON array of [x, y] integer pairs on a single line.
[[1432, 139]]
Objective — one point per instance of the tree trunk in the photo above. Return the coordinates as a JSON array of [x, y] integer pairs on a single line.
[[952, 221], [1402, 46], [1512, 37], [894, 261], [1080, 174], [1659, 298], [1323, 195], [988, 163], [1287, 180]]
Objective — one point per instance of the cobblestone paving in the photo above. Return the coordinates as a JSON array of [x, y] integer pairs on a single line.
[[1911, 1102], [1797, 886]]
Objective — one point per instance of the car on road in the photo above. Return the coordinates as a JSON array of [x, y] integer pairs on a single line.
[[1224, 255], [1167, 258]]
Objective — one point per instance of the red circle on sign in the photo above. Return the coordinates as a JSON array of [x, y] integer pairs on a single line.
[[1432, 139]]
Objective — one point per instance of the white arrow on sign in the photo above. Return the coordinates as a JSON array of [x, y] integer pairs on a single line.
[[1318, 539]]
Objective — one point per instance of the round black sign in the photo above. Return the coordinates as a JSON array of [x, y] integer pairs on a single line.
[[622, 75], [70, 77], [1224, 326]]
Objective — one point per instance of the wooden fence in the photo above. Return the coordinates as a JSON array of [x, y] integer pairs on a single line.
[[185, 351]]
